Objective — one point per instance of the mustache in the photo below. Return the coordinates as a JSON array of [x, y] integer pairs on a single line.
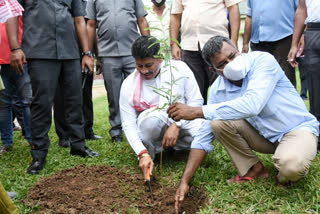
[[146, 74]]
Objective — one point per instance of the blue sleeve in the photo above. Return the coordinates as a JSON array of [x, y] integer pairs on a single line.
[[204, 138], [249, 6]]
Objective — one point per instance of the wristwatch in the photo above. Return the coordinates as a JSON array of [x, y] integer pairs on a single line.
[[87, 53]]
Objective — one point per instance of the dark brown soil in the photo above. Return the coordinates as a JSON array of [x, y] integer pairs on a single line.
[[105, 189]]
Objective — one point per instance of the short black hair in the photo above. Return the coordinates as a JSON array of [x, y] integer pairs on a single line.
[[213, 46], [145, 46]]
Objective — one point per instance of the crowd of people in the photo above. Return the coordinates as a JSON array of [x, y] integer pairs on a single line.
[[50, 51]]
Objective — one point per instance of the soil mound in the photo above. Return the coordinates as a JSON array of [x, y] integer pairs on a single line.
[[105, 189]]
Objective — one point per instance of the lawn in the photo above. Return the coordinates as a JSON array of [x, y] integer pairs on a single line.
[[261, 196]]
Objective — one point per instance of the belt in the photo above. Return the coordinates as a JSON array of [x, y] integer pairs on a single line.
[[312, 25]]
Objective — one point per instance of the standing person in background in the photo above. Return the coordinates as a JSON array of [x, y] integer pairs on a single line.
[[269, 27], [87, 107], [17, 84], [51, 48], [199, 21], [118, 23], [159, 18], [308, 13]]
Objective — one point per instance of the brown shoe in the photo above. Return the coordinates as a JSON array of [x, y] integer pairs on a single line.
[[4, 149]]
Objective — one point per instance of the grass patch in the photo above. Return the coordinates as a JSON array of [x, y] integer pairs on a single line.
[[262, 196]]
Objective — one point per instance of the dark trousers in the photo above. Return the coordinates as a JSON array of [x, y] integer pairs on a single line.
[[200, 70], [115, 70], [45, 75], [312, 63], [279, 49], [87, 109], [303, 77]]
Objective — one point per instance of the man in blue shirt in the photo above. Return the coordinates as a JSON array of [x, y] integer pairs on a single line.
[[270, 26], [252, 107]]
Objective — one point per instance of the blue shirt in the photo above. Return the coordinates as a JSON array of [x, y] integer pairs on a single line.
[[272, 20], [266, 99]]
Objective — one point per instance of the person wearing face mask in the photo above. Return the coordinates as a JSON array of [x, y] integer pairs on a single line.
[[252, 107], [159, 19], [144, 124]]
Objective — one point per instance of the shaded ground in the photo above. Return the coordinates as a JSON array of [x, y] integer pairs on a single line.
[[105, 189]]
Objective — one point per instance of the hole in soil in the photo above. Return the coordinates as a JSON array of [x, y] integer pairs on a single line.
[[105, 189]]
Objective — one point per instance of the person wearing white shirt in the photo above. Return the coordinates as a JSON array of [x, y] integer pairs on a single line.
[[159, 20], [143, 110]]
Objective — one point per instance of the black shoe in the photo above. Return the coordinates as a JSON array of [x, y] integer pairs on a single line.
[[94, 137], [117, 139], [65, 143], [85, 152], [4, 149], [35, 167]]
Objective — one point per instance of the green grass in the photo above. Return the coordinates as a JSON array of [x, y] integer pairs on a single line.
[[262, 196]]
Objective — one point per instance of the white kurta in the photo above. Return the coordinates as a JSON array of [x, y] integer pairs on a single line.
[[186, 87]]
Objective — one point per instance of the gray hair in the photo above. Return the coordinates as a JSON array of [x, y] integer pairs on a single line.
[[213, 46]]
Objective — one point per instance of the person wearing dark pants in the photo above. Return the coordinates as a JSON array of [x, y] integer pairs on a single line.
[[308, 12], [115, 70], [198, 21], [303, 78], [200, 69], [51, 48], [312, 58], [266, 36], [87, 109], [116, 23]]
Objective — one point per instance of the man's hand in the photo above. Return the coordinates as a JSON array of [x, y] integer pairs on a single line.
[[180, 111], [87, 61], [180, 195], [176, 51], [98, 66], [18, 59], [245, 48], [144, 164], [292, 56], [171, 136]]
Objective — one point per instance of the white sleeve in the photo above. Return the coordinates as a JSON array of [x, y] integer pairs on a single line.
[[191, 89], [129, 118]]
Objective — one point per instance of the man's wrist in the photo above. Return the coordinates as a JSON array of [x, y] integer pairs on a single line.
[[198, 113], [144, 155], [87, 53], [14, 49]]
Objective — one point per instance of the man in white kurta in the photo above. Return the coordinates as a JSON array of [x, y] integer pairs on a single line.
[[143, 110]]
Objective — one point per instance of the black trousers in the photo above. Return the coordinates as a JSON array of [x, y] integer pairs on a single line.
[[303, 77], [45, 75], [87, 108], [312, 64], [200, 69], [279, 49]]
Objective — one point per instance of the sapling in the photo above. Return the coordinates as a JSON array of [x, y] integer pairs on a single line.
[[165, 53]]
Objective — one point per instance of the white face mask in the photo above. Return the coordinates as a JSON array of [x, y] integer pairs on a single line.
[[235, 70]]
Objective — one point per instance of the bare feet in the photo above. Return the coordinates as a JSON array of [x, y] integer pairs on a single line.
[[256, 171]]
